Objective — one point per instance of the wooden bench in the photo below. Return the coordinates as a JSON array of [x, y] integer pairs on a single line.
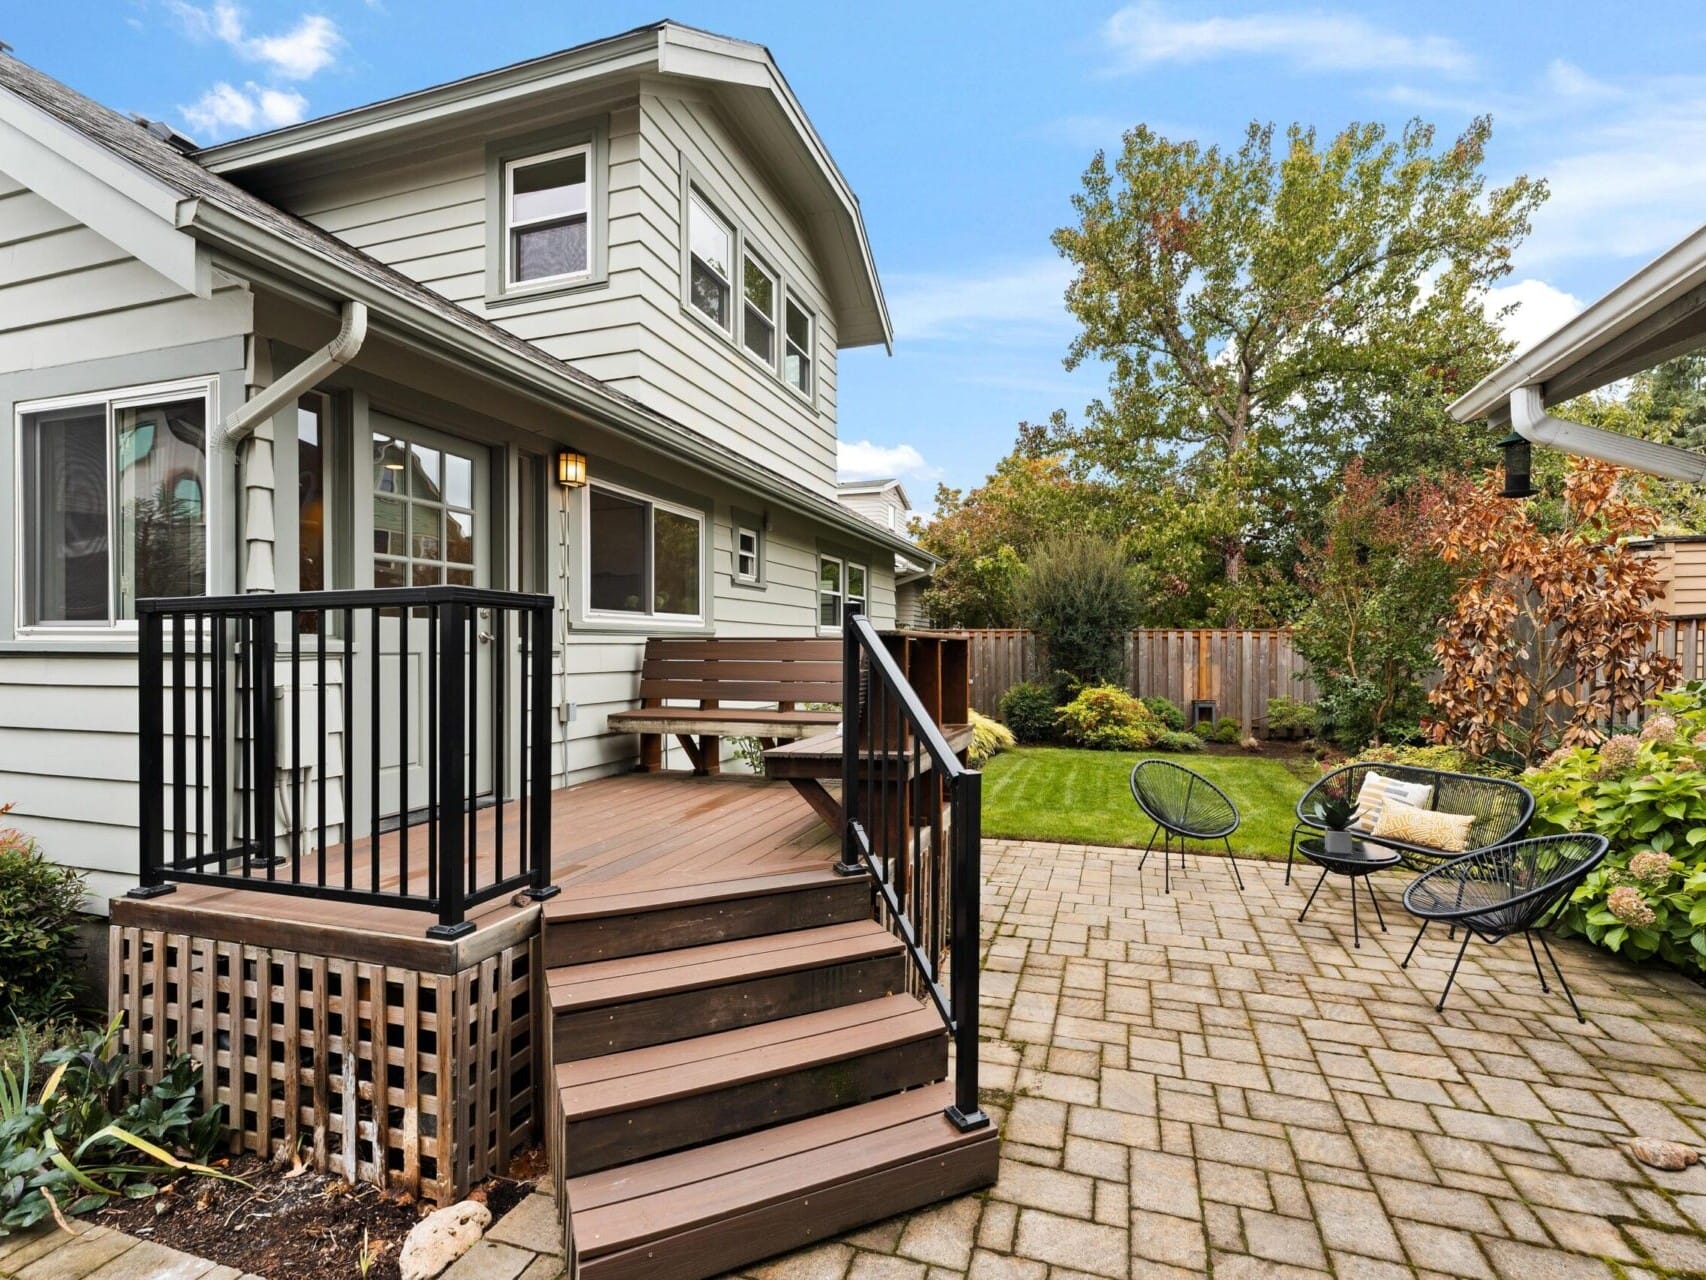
[[708, 675]]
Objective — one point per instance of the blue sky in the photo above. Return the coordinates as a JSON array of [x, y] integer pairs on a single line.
[[964, 129]]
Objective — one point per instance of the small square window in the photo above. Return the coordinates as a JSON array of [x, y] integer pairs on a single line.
[[797, 356], [746, 555], [710, 243], [548, 227]]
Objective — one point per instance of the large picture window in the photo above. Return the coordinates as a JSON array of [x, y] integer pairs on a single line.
[[112, 505], [644, 557]]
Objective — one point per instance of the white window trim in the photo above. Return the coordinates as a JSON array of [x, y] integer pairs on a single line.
[[117, 398], [778, 292], [756, 577], [511, 284], [737, 296], [809, 393], [634, 618], [823, 558]]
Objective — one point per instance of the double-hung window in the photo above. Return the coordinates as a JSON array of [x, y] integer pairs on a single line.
[[797, 354], [547, 225], [758, 319], [111, 504], [710, 265], [840, 584], [643, 556], [748, 568]]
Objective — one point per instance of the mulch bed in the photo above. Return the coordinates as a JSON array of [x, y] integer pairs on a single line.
[[294, 1224]]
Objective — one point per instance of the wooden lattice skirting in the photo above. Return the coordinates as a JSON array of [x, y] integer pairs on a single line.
[[417, 1081]]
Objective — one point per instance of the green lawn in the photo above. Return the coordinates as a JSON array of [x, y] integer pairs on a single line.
[[1082, 797]]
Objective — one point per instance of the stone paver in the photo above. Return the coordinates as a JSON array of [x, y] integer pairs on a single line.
[[1198, 1081], [1256, 1096]]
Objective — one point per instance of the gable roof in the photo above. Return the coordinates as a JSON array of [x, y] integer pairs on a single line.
[[875, 486], [216, 212], [745, 81]]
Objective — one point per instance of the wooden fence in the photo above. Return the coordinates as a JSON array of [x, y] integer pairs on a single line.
[[1682, 638], [1236, 671]]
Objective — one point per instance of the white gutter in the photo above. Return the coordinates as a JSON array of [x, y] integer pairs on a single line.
[[1531, 421], [352, 332]]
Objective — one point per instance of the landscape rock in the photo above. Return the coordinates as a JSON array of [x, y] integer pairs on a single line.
[[1663, 1155], [442, 1237]]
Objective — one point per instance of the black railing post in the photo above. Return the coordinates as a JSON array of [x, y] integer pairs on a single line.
[[851, 864], [151, 777], [964, 876], [538, 763], [452, 797]]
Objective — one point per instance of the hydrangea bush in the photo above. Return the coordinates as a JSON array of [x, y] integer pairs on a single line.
[[1646, 793]]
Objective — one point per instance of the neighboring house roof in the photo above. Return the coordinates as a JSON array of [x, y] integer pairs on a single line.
[[747, 84], [46, 126], [876, 486], [1654, 315]]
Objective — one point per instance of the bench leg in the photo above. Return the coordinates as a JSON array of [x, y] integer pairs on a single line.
[[1562, 981], [710, 756], [1452, 976], [694, 756], [651, 753], [1412, 951]]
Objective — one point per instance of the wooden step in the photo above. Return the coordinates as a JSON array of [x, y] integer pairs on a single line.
[[643, 1103], [611, 1006], [699, 1213], [587, 926]]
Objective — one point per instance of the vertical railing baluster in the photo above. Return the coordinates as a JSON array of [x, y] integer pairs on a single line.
[[220, 741], [346, 757], [433, 745], [375, 733], [967, 823], [266, 739], [850, 864], [200, 751], [246, 734], [321, 622], [539, 765], [500, 697], [295, 630], [452, 640], [471, 731], [405, 619], [180, 747]]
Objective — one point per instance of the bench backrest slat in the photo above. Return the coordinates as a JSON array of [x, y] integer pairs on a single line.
[[786, 671]]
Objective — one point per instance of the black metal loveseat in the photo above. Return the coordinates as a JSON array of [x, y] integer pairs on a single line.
[[1502, 809]]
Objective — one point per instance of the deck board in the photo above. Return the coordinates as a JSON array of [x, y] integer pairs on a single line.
[[620, 837]]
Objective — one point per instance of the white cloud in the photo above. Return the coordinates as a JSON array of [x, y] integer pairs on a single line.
[[227, 109], [1012, 303], [1539, 309], [864, 460], [1144, 35], [309, 47]]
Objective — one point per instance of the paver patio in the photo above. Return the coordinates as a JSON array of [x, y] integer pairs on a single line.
[[1200, 1081]]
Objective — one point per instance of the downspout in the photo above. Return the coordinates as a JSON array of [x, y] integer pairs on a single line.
[[352, 332], [1530, 420]]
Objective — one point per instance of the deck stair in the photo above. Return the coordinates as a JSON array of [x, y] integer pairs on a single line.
[[739, 1071]]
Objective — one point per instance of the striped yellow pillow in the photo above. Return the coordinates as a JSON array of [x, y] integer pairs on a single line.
[[1448, 832], [1378, 790]]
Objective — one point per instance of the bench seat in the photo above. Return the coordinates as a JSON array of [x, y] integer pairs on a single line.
[[756, 722]]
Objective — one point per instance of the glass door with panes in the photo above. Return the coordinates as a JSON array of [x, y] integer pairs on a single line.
[[430, 517]]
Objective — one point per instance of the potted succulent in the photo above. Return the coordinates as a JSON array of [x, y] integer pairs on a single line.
[[1334, 812]]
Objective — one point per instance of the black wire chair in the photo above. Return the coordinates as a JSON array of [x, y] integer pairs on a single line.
[[1502, 809], [1510, 889], [1183, 805]]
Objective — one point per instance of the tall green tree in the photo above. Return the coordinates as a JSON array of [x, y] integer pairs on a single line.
[[1266, 316]]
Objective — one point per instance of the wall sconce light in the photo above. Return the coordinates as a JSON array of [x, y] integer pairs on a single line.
[[571, 468], [1519, 461]]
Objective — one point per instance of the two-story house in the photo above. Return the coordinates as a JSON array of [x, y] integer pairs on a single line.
[[570, 326]]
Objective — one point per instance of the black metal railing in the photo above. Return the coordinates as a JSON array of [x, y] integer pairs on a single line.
[[914, 820], [266, 722]]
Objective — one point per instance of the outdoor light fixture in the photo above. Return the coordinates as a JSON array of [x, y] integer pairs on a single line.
[[1518, 462], [571, 468]]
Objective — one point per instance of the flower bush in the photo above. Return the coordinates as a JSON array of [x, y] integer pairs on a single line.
[[1646, 793], [40, 903], [1105, 717]]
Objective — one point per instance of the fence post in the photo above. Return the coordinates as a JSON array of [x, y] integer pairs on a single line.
[[539, 765], [452, 800], [150, 728]]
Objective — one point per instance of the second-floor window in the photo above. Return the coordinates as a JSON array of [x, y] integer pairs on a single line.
[[797, 358], [548, 232], [710, 271], [758, 323]]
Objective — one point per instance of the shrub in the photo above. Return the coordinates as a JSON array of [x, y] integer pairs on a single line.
[[39, 909], [1227, 731], [88, 1134], [1204, 729], [1647, 795], [1082, 600], [988, 738], [1107, 718], [1290, 717], [1177, 740], [1029, 710], [1166, 711], [1442, 756]]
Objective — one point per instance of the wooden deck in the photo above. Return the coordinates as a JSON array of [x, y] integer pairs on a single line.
[[631, 836]]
